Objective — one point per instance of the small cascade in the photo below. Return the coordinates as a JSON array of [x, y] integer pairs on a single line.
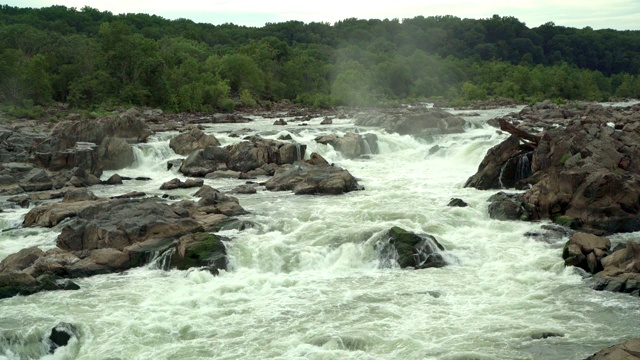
[[504, 166], [366, 149], [298, 152], [523, 167], [160, 260]]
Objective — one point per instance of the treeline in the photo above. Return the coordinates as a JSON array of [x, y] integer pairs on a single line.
[[90, 58]]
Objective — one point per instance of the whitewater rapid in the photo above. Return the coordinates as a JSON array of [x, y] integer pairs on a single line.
[[307, 281]]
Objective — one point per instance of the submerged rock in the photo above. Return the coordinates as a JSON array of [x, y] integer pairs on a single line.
[[60, 335]]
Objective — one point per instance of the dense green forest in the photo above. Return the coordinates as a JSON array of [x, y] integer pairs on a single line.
[[92, 59]]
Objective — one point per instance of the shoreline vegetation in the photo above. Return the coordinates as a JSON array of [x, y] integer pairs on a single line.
[[97, 61]]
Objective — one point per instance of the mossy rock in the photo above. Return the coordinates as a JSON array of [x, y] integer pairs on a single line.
[[200, 250], [414, 250]]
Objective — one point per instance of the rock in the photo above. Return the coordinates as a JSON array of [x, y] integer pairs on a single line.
[[504, 165], [206, 190], [507, 207], [60, 335], [76, 195], [546, 335], [178, 184], [317, 159], [114, 179], [218, 203], [280, 122], [412, 250], [195, 139], [419, 122], [628, 350], [303, 178], [20, 283], [21, 200], [115, 153], [50, 215], [122, 222], [250, 155], [36, 180], [21, 260], [455, 202], [351, 145], [586, 251], [326, 121], [201, 250], [202, 162]]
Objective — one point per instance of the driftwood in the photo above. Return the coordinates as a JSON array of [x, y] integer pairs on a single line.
[[531, 139]]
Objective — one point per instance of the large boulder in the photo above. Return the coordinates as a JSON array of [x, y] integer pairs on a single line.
[[257, 152], [115, 153], [586, 251], [202, 162], [303, 178], [200, 250], [351, 145], [504, 165], [195, 139], [411, 250], [20, 283], [122, 222]]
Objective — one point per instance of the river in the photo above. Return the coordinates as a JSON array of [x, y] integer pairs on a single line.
[[308, 283]]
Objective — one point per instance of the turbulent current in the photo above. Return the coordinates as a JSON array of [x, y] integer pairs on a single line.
[[309, 283]]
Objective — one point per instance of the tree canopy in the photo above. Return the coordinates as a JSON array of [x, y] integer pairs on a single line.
[[89, 58]]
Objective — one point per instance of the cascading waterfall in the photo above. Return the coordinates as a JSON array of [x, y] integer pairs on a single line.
[[523, 166], [308, 282], [298, 152]]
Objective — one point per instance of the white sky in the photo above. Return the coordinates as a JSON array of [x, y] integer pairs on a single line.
[[614, 14]]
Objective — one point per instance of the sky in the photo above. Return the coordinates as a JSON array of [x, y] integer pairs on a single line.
[[614, 14]]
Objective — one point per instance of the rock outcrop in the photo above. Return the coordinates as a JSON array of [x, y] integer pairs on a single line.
[[303, 179], [628, 350], [420, 122], [195, 139], [351, 145]]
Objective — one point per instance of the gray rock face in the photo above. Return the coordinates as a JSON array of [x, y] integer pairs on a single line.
[[303, 178], [179, 184], [586, 251], [502, 167], [195, 139], [505, 206]]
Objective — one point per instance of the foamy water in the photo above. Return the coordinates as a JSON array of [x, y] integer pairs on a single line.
[[307, 283]]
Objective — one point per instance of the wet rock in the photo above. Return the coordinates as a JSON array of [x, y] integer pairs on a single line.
[[202, 162], [280, 122], [76, 195], [122, 222], [179, 184], [586, 251], [505, 206], [546, 335], [201, 250], [195, 139], [455, 202], [628, 350], [245, 189], [419, 122], [60, 336], [257, 152], [500, 167], [351, 145], [50, 215], [412, 250], [303, 178], [114, 179], [21, 260], [115, 153], [21, 200], [326, 121]]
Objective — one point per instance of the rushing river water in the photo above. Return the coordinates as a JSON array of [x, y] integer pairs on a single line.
[[308, 283]]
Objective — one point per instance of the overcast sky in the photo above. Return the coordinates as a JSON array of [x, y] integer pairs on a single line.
[[614, 14]]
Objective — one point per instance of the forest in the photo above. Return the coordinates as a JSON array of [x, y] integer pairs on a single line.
[[93, 59]]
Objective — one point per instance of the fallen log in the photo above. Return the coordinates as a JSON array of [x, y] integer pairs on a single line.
[[531, 139]]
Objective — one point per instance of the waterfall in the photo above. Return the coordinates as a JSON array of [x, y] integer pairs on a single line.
[[298, 152], [367, 148], [523, 167], [504, 166], [160, 260]]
